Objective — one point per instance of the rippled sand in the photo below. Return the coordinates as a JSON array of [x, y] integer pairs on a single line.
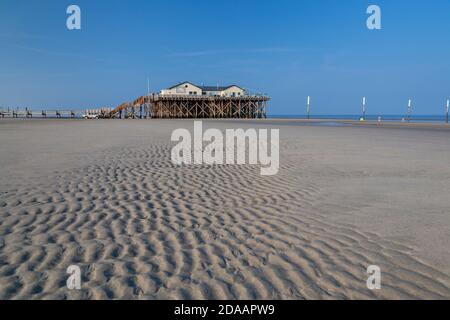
[[105, 196]]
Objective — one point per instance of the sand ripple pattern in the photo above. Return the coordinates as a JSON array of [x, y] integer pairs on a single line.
[[141, 228]]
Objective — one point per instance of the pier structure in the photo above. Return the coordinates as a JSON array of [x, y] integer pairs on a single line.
[[193, 106]]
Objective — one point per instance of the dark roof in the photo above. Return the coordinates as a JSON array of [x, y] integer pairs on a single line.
[[178, 84], [206, 88], [213, 88]]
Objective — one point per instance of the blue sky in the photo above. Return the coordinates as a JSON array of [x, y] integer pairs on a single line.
[[287, 49]]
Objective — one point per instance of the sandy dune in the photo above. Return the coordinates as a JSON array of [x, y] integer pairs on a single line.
[[105, 196]]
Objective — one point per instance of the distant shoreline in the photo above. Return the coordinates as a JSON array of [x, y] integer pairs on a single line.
[[325, 122], [332, 122]]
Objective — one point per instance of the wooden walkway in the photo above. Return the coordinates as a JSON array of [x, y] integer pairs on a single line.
[[29, 113], [164, 106]]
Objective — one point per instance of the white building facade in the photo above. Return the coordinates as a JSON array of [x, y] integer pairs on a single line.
[[187, 88]]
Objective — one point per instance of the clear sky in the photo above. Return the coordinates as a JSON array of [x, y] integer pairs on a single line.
[[287, 49]]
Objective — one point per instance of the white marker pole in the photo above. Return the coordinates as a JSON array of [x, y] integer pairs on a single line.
[[364, 108], [308, 107], [409, 109], [446, 111]]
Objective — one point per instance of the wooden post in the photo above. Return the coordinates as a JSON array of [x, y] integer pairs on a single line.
[[265, 108]]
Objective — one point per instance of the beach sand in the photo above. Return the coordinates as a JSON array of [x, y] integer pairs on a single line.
[[104, 195]]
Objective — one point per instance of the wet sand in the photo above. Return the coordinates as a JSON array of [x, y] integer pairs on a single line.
[[104, 195]]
